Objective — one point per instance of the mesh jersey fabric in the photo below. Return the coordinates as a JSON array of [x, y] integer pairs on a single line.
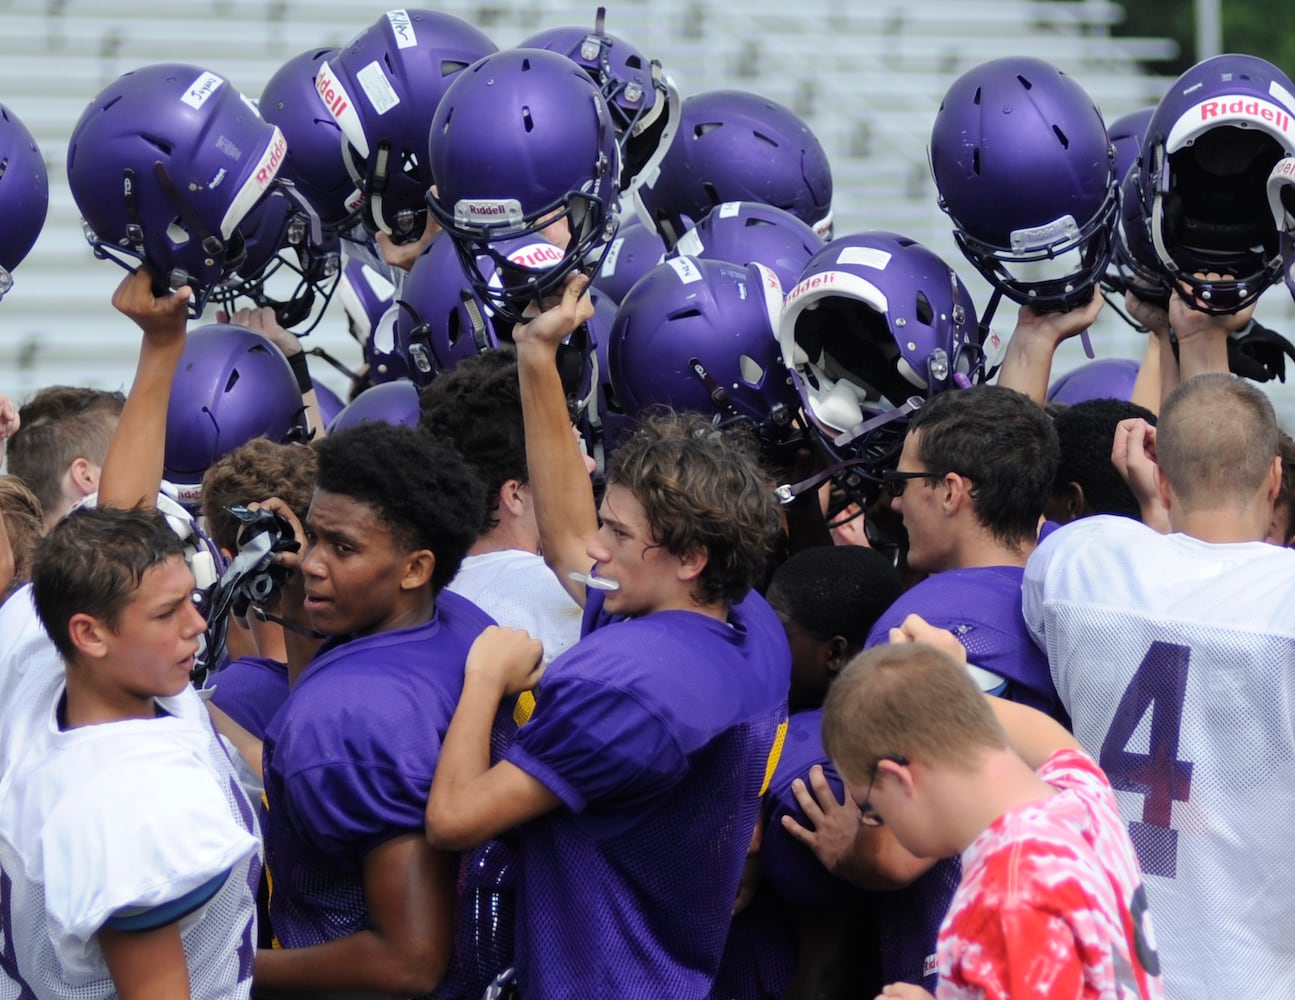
[[982, 607], [657, 733], [519, 590], [348, 763], [1051, 902], [120, 816], [250, 690], [1173, 656]]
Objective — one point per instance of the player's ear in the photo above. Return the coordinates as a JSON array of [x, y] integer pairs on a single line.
[[418, 569], [89, 635], [692, 562], [1275, 479], [836, 654]]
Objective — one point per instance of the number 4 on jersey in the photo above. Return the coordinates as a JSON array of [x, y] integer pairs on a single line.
[[1160, 685]]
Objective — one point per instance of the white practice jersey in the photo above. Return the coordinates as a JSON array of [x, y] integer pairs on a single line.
[[518, 590], [24, 646], [1176, 660], [111, 820]]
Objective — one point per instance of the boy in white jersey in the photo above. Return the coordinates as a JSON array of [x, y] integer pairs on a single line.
[[1051, 902], [129, 855], [1172, 654]]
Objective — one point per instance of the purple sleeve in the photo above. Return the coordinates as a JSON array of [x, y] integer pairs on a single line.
[[347, 809], [588, 742]]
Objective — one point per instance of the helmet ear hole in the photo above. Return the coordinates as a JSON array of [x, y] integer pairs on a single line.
[[924, 311]]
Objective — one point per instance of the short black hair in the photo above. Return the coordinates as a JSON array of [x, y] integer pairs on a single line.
[[476, 408], [1004, 443], [1085, 432], [831, 590], [423, 491], [92, 561]]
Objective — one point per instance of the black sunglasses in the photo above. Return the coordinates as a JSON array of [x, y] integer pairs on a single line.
[[895, 482]]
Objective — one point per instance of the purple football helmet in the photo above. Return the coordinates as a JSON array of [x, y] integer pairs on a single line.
[[1126, 134], [291, 264], [644, 103], [24, 194], [314, 163], [441, 319], [366, 295], [876, 325], [389, 402], [388, 358], [699, 335], [548, 159], [746, 232], [1281, 200], [1105, 378], [1134, 265], [165, 164], [1212, 142], [231, 385], [632, 254], [733, 145], [381, 88], [330, 404], [1026, 173]]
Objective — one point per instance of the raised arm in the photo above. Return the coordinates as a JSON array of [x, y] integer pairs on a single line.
[[132, 470], [563, 495], [1027, 366]]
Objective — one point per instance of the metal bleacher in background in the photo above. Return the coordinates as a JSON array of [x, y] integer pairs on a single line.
[[868, 77]]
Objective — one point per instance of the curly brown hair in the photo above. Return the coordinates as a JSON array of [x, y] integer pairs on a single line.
[[251, 473], [702, 487]]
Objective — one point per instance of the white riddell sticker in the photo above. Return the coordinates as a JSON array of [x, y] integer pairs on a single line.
[[402, 27], [690, 244], [729, 209], [686, 268], [376, 88], [864, 257], [202, 88], [1282, 94]]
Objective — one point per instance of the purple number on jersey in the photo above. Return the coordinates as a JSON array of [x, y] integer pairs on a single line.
[[1160, 685], [8, 955]]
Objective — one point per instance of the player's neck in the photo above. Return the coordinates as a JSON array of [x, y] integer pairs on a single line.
[[84, 704], [1220, 526], [983, 549], [1002, 782]]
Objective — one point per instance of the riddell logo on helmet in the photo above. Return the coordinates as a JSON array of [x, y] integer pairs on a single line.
[[270, 165], [818, 281], [333, 96], [1261, 110], [536, 255]]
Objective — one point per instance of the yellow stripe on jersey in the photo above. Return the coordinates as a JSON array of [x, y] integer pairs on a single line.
[[775, 755], [269, 879], [524, 707]]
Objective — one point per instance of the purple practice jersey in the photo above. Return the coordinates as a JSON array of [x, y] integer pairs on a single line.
[[789, 867], [348, 763], [250, 690], [982, 607], [658, 734]]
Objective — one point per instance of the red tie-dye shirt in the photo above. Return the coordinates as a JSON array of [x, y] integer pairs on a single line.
[[1051, 902]]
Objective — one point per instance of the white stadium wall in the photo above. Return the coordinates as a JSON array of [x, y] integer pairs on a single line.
[[867, 79]]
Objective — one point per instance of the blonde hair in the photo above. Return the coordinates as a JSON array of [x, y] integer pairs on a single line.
[[909, 700], [24, 523]]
